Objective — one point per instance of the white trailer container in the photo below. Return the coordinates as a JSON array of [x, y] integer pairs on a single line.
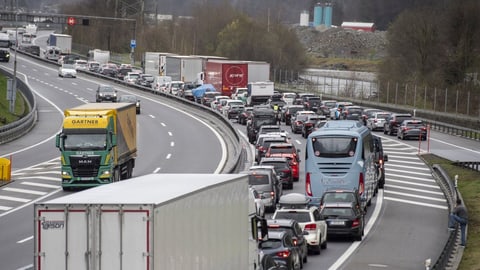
[[62, 41], [184, 68], [259, 92], [151, 222], [100, 56], [258, 71], [154, 63]]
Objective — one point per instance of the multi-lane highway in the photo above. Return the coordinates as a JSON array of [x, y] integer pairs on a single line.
[[406, 222]]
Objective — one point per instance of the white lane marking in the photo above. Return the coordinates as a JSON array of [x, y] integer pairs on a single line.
[[30, 203], [417, 162], [172, 144], [56, 179], [5, 208], [456, 146], [26, 267], [415, 196], [163, 124], [152, 116], [25, 240], [349, 252], [48, 172], [416, 203], [403, 176], [157, 170], [169, 156], [423, 168], [39, 185], [416, 189], [414, 184], [26, 191], [297, 141], [404, 173], [170, 134], [47, 139], [13, 199]]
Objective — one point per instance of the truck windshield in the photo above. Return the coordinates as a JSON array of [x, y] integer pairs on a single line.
[[4, 43], [85, 142]]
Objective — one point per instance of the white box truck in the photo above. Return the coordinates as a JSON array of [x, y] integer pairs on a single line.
[[99, 56], [62, 41], [259, 92], [188, 69], [154, 63], [151, 222]]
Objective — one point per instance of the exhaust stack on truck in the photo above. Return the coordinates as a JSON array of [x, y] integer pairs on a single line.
[[98, 144], [151, 222]]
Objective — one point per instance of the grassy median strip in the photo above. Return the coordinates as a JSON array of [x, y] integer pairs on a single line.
[[469, 187], [20, 107]]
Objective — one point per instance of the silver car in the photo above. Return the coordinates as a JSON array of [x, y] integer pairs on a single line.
[[377, 120]]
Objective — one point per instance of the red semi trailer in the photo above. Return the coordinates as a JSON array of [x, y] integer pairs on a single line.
[[226, 75]]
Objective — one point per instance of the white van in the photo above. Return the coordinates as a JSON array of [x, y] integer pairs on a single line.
[[52, 53], [160, 83]]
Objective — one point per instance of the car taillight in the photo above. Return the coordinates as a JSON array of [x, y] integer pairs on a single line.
[[286, 171], [375, 120], [283, 254], [361, 183], [295, 241], [405, 128], [308, 184], [311, 227], [308, 124], [272, 194], [356, 223]]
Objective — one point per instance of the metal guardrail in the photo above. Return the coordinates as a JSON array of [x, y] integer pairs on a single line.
[[223, 125], [449, 257], [472, 165], [20, 127]]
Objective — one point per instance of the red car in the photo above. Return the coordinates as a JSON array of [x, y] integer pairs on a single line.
[[286, 150]]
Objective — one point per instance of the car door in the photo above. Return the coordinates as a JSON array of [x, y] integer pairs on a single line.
[[321, 224]]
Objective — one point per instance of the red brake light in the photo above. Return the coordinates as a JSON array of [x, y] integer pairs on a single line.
[[311, 227], [361, 181], [272, 194], [308, 184], [295, 242], [356, 223], [283, 254]]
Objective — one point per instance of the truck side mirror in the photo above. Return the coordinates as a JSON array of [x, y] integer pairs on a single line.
[[58, 138]]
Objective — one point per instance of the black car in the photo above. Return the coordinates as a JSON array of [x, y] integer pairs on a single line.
[[106, 92], [4, 54], [122, 72], [380, 159], [352, 113], [412, 129], [288, 111], [282, 167], [145, 80], [297, 124], [281, 246], [292, 226], [130, 99], [393, 122], [309, 125], [343, 196], [312, 103], [344, 219], [31, 49], [245, 115]]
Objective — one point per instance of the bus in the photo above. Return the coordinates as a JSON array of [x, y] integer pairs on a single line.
[[340, 155]]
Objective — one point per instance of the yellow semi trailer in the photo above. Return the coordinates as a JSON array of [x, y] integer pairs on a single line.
[[98, 144]]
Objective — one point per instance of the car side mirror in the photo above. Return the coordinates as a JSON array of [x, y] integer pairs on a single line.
[[385, 158]]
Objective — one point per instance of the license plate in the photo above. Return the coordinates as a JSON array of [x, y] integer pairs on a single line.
[[333, 181], [85, 178], [337, 223]]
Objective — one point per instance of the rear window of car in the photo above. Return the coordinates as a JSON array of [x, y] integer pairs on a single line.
[[382, 115], [281, 149], [295, 215], [271, 244], [268, 130], [258, 179], [415, 125], [339, 197], [338, 212], [277, 165]]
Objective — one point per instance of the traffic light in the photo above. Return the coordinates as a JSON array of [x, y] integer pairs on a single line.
[[71, 21]]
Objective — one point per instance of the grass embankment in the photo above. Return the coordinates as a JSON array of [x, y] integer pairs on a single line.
[[469, 188], [20, 107]]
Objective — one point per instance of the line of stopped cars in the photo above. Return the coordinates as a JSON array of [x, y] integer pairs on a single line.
[[296, 226]]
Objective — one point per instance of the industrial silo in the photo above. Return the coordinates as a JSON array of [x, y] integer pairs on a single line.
[[318, 15], [328, 9], [304, 17]]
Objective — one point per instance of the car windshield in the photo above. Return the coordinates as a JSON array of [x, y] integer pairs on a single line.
[[334, 147], [281, 149], [295, 215], [68, 66], [84, 141], [258, 179], [106, 89]]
